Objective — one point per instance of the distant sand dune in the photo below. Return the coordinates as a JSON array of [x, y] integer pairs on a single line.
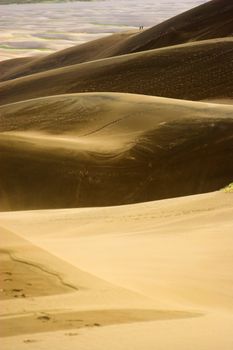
[[96, 49], [14, 63], [75, 150], [208, 21], [194, 71]]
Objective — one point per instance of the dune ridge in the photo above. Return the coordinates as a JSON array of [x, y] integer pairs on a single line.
[[116, 190], [207, 21], [90, 51], [183, 72]]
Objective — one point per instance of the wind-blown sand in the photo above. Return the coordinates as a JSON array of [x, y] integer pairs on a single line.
[[76, 150], [167, 262]]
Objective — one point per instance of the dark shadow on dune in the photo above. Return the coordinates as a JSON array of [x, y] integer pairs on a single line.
[[191, 72], [176, 159]]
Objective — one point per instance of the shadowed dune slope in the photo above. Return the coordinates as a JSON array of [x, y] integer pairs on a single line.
[[14, 64], [211, 20], [96, 49], [192, 71], [140, 148]]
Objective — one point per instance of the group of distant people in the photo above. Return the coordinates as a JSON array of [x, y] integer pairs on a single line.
[[141, 27]]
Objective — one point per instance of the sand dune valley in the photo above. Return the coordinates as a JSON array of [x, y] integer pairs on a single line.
[[116, 176]]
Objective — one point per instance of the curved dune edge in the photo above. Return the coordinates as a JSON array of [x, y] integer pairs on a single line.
[[178, 274], [75, 150], [199, 226], [157, 273], [208, 21], [167, 72], [33, 274]]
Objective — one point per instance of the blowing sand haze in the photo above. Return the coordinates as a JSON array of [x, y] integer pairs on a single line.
[[116, 158]]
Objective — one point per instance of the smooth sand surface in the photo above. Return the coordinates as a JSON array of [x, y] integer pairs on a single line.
[[75, 150], [168, 262]]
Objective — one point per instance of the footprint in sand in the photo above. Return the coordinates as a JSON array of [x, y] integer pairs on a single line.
[[43, 318], [16, 290], [28, 341], [93, 325]]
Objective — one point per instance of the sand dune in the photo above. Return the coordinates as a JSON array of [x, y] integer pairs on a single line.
[[14, 64], [96, 49], [30, 273], [192, 71], [180, 280], [208, 21], [90, 137], [77, 149]]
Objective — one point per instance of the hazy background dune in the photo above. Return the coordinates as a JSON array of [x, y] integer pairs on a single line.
[[208, 21], [192, 71], [54, 26]]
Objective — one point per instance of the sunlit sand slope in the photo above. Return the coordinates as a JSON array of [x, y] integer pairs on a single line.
[[42, 293], [168, 262]]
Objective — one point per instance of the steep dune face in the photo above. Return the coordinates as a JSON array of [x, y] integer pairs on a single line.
[[141, 148], [192, 71], [208, 21], [213, 19]]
